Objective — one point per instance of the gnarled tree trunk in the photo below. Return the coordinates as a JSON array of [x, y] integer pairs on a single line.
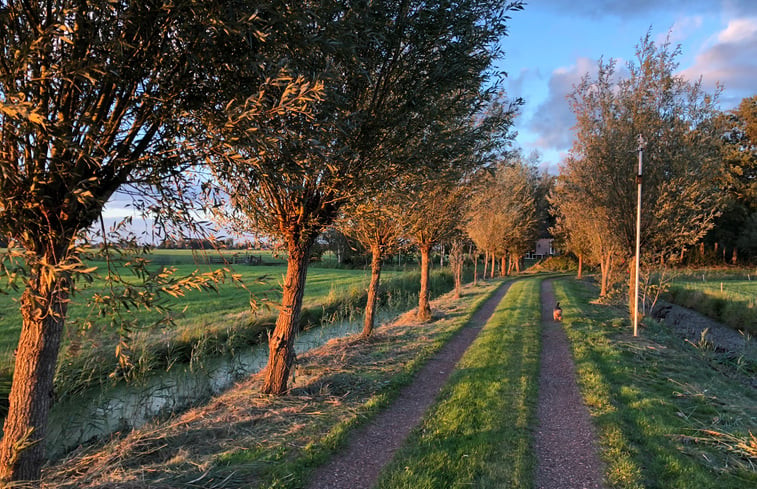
[[605, 265], [43, 309], [281, 343], [370, 304]]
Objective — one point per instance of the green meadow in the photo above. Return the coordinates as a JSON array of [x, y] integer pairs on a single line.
[[201, 322]]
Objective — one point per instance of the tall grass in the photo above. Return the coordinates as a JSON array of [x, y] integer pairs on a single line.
[[658, 401], [478, 434]]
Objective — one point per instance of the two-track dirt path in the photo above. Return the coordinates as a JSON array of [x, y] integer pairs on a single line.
[[565, 443], [371, 447]]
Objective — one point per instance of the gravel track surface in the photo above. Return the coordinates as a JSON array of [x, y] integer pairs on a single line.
[[565, 442]]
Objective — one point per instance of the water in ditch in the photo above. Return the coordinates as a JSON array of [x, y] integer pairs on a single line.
[[98, 414]]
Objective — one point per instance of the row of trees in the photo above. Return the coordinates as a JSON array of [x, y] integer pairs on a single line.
[[699, 165], [285, 111]]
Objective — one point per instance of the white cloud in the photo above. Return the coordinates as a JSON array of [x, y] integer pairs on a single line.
[[681, 29], [739, 30], [729, 58], [553, 120]]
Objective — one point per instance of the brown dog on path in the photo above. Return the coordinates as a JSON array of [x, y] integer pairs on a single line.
[[557, 312]]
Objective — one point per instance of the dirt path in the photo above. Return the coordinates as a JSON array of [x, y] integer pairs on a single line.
[[357, 466], [565, 442]]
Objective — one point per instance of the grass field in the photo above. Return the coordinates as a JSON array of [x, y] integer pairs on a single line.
[[728, 299], [669, 414]]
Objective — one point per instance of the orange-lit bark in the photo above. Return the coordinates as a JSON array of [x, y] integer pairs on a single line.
[[424, 309], [281, 343]]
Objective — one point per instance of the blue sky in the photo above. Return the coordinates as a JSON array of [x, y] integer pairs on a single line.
[[553, 43]]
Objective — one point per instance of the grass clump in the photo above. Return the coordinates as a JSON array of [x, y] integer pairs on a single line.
[[478, 433], [658, 401], [246, 439]]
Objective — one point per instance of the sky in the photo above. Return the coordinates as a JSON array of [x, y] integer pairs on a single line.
[[552, 43]]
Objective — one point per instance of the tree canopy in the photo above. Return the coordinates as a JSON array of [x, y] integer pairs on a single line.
[[677, 120]]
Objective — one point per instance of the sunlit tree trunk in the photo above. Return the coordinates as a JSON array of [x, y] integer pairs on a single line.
[[370, 305], [580, 265], [503, 266], [494, 263], [43, 308], [475, 269], [605, 266], [281, 342], [424, 309], [486, 264]]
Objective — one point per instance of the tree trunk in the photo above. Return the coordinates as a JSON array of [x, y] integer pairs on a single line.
[[580, 266], [486, 263], [502, 266], [494, 265], [43, 309], [281, 343], [475, 269], [424, 309], [517, 264], [370, 303], [458, 279]]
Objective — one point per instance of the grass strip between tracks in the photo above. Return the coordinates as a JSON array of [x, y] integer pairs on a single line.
[[478, 434]]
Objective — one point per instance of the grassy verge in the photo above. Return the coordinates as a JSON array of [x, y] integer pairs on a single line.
[[245, 439], [478, 434], [669, 414]]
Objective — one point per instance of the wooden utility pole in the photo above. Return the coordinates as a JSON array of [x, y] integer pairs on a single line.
[[638, 242]]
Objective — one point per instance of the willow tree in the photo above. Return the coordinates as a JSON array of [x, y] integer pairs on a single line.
[[374, 223], [383, 65], [501, 212], [584, 231], [736, 230], [681, 182], [94, 96]]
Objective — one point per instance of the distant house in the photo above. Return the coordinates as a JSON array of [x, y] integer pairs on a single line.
[[544, 248]]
